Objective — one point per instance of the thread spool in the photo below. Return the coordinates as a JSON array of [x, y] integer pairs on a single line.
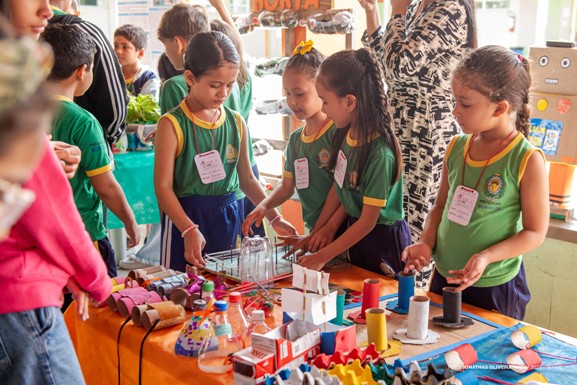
[[377, 328], [523, 361], [135, 274], [338, 320], [461, 357], [526, 337], [418, 321], [371, 290], [452, 310], [406, 289], [137, 313], [158, 275]]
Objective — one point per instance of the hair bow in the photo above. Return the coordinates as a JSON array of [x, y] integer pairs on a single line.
[[303, 48], [520, 58]]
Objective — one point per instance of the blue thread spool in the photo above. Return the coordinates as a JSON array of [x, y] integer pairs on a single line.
[[406, 291]]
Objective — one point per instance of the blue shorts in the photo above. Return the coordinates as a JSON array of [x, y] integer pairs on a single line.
[[510, 298], [380, 250], [218, 220], [245, 207]]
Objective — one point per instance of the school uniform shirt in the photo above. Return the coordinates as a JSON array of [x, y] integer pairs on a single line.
[[226, 132], [497, 213], [175, 89], [73, 124], [317, 149], [145, 82], [375, 187], [106, 98]]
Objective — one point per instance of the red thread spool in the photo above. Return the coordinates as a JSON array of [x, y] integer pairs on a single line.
[[523, 361], [461, 357], [371, 291]]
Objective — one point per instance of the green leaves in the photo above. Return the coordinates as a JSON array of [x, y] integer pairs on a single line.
[[143, 109]]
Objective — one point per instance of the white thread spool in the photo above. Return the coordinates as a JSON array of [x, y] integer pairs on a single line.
[[418, 321]]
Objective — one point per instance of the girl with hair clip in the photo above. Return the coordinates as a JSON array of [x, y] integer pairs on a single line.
[[201, 158], [367, 163], [493, 201], [308, 149]]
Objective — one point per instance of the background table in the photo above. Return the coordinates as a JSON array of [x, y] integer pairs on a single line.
[[95, 342]]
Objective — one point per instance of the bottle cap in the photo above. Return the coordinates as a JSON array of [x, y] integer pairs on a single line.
[[220, 305], [257, 315], [234, 297], [199, 304], [207, 286]]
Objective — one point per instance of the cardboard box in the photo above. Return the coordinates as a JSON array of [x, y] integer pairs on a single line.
[[553, 70], [289, 342], [554, 125], [251, 366]]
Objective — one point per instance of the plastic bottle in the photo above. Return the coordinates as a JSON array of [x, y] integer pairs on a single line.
[[194, 332], [218, 360], [208, 292], [257, 325], [329, 23], [237, 317]]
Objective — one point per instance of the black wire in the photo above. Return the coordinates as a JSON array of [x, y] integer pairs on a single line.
[[118, 346], [142, 348]]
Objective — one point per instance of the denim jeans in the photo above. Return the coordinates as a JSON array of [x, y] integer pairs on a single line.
[[35, 348]]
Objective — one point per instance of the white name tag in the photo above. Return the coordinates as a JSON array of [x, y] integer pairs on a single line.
[[341, 168], [301, 173], [210, 167], [463, 205]]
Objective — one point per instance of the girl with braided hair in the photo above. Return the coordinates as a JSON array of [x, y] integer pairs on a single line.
[[367, 163], [493, 202]]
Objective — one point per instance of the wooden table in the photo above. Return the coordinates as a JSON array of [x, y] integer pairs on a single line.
[[95, 342]]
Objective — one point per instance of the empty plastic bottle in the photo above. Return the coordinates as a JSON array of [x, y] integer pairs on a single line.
[[328, 23], [237, 317]]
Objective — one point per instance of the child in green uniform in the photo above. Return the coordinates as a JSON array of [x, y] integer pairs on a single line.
[[493, 202], [367, 163], [308, 150], [201, 158], [94, 182]]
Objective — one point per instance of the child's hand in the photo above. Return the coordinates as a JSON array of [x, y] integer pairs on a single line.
[[194, 242], [314, 261], [81, 298], [255, 217], [68, 155], [471, 273], [368, 5], [133, 234], [417, 256], [321, 238], [283, 227]]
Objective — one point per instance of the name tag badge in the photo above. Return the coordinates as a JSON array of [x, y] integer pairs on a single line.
[[341, 168], [302, 173], [210, 166], [463, 205]]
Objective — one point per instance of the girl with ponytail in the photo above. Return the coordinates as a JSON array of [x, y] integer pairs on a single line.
[[367, 164], [493, 201]]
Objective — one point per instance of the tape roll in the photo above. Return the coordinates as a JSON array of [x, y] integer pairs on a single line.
[[526, 337], [461, 357], [523, 361]]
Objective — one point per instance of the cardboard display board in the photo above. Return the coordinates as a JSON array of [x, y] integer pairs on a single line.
[[553, 70], [554, 125]]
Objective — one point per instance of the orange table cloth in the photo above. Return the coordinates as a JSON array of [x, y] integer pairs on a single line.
[[96, 346]]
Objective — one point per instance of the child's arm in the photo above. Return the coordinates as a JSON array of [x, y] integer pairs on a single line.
[[253, 190], [535, 214], [225, 15], [326, 234], [280, 195], [165, 147], [419, 255], [111, 194], [366, 223]]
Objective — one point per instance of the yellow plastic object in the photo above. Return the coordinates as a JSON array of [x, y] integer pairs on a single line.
[[353, 374], [534, 377], [542, 104], [526, 337], [116, 288]]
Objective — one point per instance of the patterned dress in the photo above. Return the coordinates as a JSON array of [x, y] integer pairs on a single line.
[[417, 54]]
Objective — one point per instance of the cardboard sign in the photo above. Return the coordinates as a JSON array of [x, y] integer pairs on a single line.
[[553, 70], [554, 125]]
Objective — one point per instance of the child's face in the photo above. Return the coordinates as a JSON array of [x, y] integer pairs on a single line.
[[301, 94], [30, 17], [84, 81], [212, 88], [126, 52], [336, 108], [174, 52], [474, 111]]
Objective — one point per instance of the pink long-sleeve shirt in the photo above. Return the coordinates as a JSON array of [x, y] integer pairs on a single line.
[[49, 245]]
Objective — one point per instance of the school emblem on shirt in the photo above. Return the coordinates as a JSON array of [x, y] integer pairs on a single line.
[[494, 186], [352, 177], [231, 154], [324, 156]]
